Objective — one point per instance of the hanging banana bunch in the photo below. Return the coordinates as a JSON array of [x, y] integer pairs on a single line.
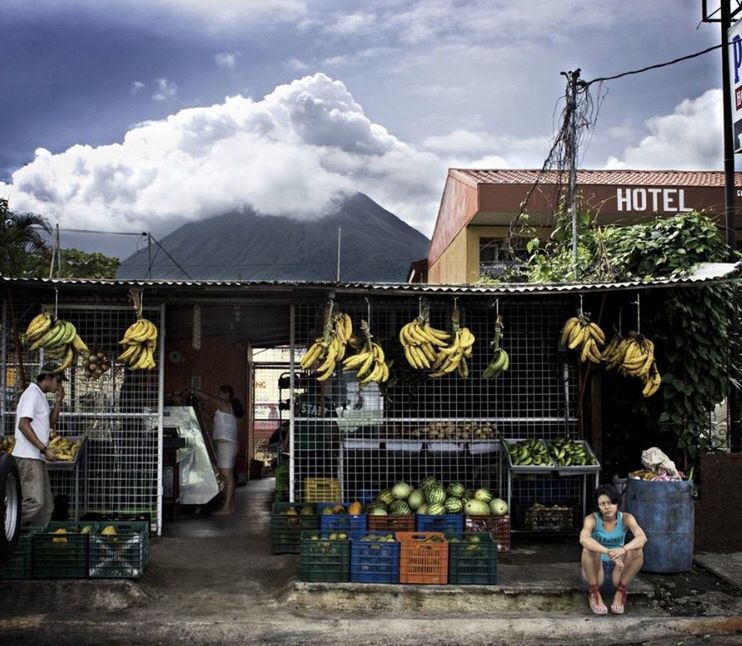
[[633, 356], [58, 338], [420, 341], [370, 362], [329, 349], [140, 340], [500, 361], [453, 356], [579, 332]]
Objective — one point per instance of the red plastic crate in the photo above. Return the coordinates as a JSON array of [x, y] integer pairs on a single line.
[[498, 527], [422, 561], [391, 523]]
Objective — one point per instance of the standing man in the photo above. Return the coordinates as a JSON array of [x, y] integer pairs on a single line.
[[33, 420]]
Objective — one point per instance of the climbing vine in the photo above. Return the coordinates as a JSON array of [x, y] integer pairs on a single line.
[[699, 353]]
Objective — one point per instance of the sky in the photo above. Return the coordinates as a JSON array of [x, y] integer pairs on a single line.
[[133, 115]]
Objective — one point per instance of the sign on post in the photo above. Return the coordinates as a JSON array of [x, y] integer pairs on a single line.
[[734, 38]]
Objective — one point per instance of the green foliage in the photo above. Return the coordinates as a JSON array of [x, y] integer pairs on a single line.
[[697, 352], [21, 241], [27, 255]]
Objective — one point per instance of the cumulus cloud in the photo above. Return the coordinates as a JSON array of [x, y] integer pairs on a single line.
[[691, 138], [164, 90], [293, 153], [227, 60], [136, 87]]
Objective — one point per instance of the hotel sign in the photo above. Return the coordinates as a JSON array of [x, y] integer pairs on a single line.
[[651, 200], [734, 38]]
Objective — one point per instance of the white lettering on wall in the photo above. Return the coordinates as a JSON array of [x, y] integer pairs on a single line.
[[652, 200]]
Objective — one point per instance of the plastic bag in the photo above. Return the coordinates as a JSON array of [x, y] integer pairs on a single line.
[[656, 461]]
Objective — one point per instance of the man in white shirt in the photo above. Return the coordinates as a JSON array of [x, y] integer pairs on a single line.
[[33, 420]]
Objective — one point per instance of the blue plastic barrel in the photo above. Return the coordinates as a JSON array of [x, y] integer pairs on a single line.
[[664, 510]]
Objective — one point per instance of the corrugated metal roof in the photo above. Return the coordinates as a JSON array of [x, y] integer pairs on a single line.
[[608, 177], [704, 273]]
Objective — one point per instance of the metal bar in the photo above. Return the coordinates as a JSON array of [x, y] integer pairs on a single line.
[[292, 365], [160, 418]]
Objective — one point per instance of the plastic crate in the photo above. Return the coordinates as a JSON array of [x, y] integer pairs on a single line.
[[554, 518], [391, 523], [323, 559], [19, 566], [453, 523], [340, 522], [321, 489], [122, 555], [286, 530], [423, 561], [472, 563], [498, 527], [281, 473], [61, 556], [374, 561]]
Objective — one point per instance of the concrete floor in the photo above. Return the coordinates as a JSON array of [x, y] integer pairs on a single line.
[[212, 579]]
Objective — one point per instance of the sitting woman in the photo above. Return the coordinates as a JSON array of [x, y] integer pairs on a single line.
[[605, 553]]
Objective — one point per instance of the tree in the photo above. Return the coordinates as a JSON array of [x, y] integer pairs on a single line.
[[21, 241], [29, 255]]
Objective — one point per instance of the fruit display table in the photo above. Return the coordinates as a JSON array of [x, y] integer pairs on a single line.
[[549, 458]]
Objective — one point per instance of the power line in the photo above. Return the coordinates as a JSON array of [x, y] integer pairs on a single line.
[[657, 65]]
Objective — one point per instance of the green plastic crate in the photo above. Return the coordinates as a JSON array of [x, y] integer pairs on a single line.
[[472, 563], [61, 556], [286, 530], [282, 483], [122, 555], [323, 559], [19, 566]]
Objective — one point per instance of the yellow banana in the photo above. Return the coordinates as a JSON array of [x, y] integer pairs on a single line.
[[323, 375], [38, 326], [576, 337], [356, 360], [378, 352], [79, 344], [596, 333], [467, 338], [374, 375], [568, 327], [440, 335], [411, 358], [69, 356], [366, 366], [348, 326]]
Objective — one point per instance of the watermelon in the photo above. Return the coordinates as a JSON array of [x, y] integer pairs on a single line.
[[422, 509], [376, 511], [436, 509], [427, 482], [498, 507], [454, 506], [435, 495], [401, 490], [476, 507], [386, 497], [400, 508], [416, 498], [455, 490], [485, 495]]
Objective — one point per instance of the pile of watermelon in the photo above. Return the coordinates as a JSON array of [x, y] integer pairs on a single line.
[[434, 499]]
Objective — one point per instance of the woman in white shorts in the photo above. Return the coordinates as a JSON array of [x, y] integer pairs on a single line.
[[228, 411]]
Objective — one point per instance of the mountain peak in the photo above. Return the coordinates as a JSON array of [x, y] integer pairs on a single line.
[[376, 246]]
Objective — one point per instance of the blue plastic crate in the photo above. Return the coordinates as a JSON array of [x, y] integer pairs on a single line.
[[446, 523], [374, 561], [340, 522]]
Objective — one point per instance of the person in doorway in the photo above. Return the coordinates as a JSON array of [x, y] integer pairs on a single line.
[[228, 409], [605, 552], [34, 419]]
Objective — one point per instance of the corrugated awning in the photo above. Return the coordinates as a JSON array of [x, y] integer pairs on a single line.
[[705, 273]]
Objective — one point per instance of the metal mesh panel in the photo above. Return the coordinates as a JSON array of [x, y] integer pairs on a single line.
[[118, 414], [416, 426]]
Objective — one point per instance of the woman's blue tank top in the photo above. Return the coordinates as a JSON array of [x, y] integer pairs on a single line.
[[611, 540]]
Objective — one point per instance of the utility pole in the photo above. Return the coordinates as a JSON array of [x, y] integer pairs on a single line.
[[727, 16], [149, 255], [337, 270], [570, 153]]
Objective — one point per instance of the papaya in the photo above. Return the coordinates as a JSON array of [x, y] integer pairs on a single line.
[[355, 509]]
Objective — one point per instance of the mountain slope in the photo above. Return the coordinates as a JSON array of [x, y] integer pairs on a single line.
[[376, 246]]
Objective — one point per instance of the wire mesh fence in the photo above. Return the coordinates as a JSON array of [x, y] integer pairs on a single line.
[[368, 437], [117, 413]]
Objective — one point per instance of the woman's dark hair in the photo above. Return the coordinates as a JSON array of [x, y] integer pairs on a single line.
[[238, 410], [606, 490]]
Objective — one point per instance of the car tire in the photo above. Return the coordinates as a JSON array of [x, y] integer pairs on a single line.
[[10, 513]]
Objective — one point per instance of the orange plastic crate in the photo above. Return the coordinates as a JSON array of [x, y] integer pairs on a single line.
[[391, 523], [421, 561]]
